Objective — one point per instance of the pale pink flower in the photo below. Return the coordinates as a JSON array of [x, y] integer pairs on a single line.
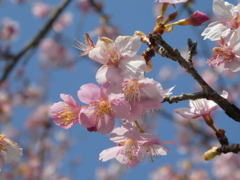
[[106, 30], [171, 1], [66, 114], [119, 59], [39, 117], [103, 107], [199, 107], [9, 151], [133, 146], [9, 29], [64, 21], [87, 47], [40, 9], [228, 53], [164, 172], [142, 94], [84, 5], [228, 20], [52, 53]]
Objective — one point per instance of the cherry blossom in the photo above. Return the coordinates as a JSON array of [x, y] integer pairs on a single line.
[[199, 107], [134, 146], [87, 47], [9, 151], [119, 59], [228, 53], [64, 21], [66, 113], [228, 21], [142, 94], [40, 9], [9, 29], [103, 107]]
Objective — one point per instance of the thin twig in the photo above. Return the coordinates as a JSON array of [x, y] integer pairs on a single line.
[[172, 53], [33, 43]]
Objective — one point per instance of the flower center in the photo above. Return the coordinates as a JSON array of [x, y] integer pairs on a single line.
[[102, 108], [233, 22], [131, 90], [68, 115], [221, 55], [131, 148], [112, 54]]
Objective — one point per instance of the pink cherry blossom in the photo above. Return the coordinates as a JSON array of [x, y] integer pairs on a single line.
[[52, 53], [66, 113], [40, 9], [119, 59], [171, 1], [84, 5], [103, 107], [198, 108], [9, 151], [64, 21], [228, 53], [142, 94], [134, 146], [9, 29], [228, 21], [87, 47]]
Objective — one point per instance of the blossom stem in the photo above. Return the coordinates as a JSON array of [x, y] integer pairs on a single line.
[[139, 128], [164, 7], [209, 121]]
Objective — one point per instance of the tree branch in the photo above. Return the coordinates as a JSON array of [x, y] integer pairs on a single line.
[[172, 53], [184, 97], [35, 40]]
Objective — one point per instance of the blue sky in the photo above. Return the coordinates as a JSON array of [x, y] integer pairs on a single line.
[[129, 16]]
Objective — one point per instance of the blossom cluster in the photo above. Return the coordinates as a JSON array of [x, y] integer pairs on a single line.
[[226, 31], [125, 93]]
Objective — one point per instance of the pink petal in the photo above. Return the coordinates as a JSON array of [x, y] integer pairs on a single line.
[[69, 100], [132, 67], [107, 74], [89, 93], [110, 153], [105, 125], [185, 112], [128, 45], [86, 117], [120, 108]]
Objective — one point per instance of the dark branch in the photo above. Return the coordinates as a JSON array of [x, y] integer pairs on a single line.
[[35, 40], [184, 97], [172, 53]]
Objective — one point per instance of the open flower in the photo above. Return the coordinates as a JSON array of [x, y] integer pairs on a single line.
[[198, 108], [228, 21], [65, 113], [133, 146], [103, 107], [228, 53], [9, 151], [119, 59], [142, 94]]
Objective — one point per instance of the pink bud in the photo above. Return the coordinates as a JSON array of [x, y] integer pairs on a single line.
[[196, 19]]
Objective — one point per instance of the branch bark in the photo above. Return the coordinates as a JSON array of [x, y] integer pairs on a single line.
[[35, 40], [172, 53]]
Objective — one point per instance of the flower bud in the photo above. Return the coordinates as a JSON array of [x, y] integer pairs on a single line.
[[196, 19], [210, 154]]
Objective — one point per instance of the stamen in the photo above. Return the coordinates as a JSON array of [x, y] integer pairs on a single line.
[[131, 90], [68, 115]]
